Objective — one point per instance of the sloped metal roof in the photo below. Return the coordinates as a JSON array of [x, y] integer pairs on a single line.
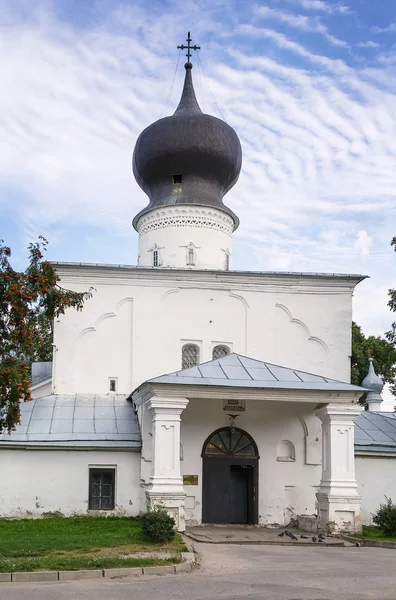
[[81, 420], [375, 432], [236, 370]]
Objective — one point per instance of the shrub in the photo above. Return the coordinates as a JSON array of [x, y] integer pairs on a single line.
[[158, 525], [385, 517]]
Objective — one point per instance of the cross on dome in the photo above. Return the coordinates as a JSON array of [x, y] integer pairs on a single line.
[[189, 47]]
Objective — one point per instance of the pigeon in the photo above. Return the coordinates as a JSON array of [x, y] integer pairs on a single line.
[[292, 536], [304, 537], [314, 539], [281, 534], [320, 540]]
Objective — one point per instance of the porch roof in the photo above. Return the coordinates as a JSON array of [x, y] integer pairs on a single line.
[[236, 370]]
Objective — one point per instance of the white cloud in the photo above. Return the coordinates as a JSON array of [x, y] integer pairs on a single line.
[[301, 22], [389, 28], [368, 44], [325, 7], [317, 191]]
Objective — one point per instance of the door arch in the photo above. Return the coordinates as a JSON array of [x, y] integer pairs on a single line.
[[230, 477]]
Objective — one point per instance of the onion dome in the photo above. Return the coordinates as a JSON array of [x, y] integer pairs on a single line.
[[189, 158], [373, 384]]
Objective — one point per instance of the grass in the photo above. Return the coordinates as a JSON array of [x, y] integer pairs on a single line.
[[78, 543], [370, 532]]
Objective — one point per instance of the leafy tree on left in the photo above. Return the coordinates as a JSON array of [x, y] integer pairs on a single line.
[[29, 300]]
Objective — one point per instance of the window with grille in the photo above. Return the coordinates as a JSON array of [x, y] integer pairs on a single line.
[[155, 258], [190, 356], [190, 256], [220, 351], [101, 489]]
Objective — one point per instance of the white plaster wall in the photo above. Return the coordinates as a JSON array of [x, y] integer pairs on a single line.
[[137, 321], [42, 390], [286, 489], [39, 481], [376, 478], [172, 229]]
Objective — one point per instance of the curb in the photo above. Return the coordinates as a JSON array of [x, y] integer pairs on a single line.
[[267, 542], [369, 543], [33, 576]]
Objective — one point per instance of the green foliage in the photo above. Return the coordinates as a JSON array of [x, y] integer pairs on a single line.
[[76, 543], [29, 300], [380, 350], [391, 335], [158, 526], [385, 517]]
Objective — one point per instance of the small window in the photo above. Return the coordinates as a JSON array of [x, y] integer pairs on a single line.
[[177, 179], [190, 256], [190, 356], [155, 258], [101, 489], [112, 385], [227, 262], [220, 351]]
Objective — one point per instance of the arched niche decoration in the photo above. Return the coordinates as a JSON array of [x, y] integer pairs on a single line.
[[285, 451]]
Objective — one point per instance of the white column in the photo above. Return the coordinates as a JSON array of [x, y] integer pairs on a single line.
[[338, 499], [166, 484]]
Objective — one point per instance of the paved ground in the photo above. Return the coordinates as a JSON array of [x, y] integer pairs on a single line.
[[216, 534], [244, 572]]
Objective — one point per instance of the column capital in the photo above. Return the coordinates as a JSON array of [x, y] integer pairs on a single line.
[[167, 404], [338, 412]]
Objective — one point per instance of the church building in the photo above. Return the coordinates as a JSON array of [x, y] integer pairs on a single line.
[[223, 396]]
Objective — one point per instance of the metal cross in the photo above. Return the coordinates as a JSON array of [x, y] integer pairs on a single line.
[[188, 47]]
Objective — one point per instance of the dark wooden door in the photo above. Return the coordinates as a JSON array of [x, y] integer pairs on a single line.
[[216, 491], [240, 482], [230, 478]]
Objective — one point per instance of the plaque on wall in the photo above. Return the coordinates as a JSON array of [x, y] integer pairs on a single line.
[[190, 479]]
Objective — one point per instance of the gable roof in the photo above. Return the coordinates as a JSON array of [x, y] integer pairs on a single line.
[[375, 432], [78, 421], [235, 370]]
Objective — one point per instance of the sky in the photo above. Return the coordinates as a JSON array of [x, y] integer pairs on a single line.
[[308, 85]]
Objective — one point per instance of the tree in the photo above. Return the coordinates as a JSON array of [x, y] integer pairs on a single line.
[[29, 300], [391, 335], [380, 350]]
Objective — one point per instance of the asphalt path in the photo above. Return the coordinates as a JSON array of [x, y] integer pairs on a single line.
[[243, 572]]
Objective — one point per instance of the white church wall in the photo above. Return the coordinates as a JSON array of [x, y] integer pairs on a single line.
[[286, 488], [137, 321], [376, 478], [35, 482]]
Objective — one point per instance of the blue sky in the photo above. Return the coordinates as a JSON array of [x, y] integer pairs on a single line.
[[309, 86]]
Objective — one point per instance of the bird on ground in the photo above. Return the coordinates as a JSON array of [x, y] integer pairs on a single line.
[[314, 539], [304, 537], [281, 534], [320, 540]]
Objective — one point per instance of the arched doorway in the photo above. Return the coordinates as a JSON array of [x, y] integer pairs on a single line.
[[230, 477]]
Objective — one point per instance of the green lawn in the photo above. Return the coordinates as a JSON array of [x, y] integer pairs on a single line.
[[374, 533], [77, 543]]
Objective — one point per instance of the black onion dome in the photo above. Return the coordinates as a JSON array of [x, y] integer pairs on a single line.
[[202, 149]]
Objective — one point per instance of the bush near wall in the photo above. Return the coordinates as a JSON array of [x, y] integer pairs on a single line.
[[385, 517], [158, 526]]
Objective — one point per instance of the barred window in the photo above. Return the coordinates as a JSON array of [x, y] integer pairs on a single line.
[[190, 356], [101, 489], [190, 256], [220, 351], [155, 258]]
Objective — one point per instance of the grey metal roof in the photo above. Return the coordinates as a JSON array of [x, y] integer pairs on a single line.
[[354, 276], [375, 432], [235, 370], [81, 420]]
